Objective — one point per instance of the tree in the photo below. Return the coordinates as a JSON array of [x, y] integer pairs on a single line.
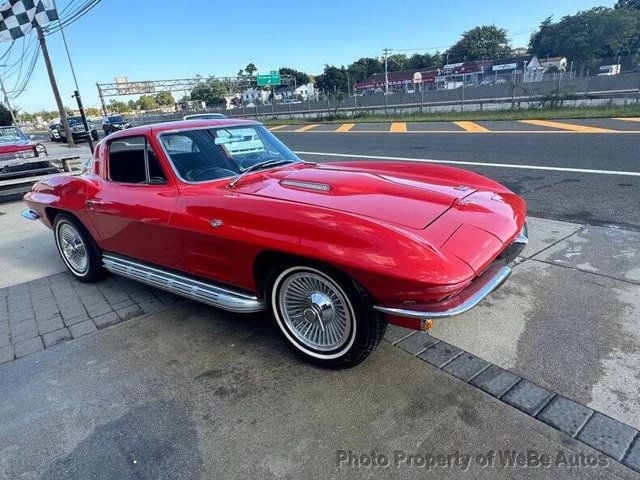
[[212, 92], [332, 79], [419, 61], [250, 69], [632, 4], [397, 61], [165, 98], [364, 68], [116, 106], [240, 73], [132, 104], [5, 116], [301, 77], [481, 43], [147, 102], [92, 112], [590, 35]]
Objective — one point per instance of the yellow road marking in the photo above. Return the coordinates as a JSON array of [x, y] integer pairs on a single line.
[[278, 127], [472, 127], [398, 127], [345, 127], [306, 128], [568, 126], [628, 119]]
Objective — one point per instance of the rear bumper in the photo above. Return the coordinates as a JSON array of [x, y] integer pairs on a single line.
[[469, 297]]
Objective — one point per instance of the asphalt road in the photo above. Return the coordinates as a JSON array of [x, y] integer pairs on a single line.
[[592, 198]]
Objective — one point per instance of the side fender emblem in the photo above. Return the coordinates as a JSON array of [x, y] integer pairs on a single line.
[[216, 223]]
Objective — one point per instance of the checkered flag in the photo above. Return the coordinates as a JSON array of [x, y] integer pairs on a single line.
[[18, 17]]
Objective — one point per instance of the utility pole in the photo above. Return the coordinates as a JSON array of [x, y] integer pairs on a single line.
[[386, 70], [6, 99], [104, 107], [54, 87]]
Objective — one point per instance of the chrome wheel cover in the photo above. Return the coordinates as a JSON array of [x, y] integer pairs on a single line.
[[315, 310], [72, 248]]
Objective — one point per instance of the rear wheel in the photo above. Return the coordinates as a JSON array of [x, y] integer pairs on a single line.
[[77, 249], [94, 135], [323, 315]]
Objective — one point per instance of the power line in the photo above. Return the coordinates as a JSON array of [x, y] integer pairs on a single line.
[[73, 16]]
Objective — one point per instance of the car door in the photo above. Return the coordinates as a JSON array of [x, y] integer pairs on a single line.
[[132, 209]]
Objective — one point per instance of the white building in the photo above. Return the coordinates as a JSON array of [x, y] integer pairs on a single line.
[[306, 91], [255, 96]]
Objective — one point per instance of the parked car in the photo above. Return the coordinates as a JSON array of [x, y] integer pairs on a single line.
[[55, 132], [20, 156], [204, 116], [224, 213], [77, 130], [113, 123]]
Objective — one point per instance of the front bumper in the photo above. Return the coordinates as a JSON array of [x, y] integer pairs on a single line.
[[494, 276]]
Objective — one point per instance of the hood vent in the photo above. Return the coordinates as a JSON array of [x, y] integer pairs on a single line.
[[316, 187]]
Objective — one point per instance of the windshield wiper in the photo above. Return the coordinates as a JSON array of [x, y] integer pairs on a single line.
[[256, 166]]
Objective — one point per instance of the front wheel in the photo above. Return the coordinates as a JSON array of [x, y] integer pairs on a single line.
[[94, 135], [323, 315], [77, 249]]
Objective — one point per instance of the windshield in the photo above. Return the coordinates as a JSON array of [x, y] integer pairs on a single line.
[[11, 135], [211, 153], [116, 119], [75, 121]]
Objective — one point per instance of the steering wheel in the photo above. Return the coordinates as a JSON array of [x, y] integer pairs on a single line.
[[197, 174]]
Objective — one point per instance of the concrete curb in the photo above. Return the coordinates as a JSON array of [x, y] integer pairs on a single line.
[[601, 432]]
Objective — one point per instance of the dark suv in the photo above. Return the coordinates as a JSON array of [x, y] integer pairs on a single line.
[[114, 123]]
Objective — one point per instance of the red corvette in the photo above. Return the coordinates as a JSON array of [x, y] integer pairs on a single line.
[[21, 156], [222, 212]]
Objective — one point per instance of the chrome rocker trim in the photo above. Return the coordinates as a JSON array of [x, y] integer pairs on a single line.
[[208, 293], [474, 293]]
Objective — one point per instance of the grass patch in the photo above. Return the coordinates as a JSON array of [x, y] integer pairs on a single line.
[[528, 114]]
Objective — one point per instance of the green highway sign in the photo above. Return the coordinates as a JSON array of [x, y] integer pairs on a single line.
[[272, 79]]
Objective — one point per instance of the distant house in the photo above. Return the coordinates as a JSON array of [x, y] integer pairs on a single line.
[[557, 63], [306, 91], [536, 68], [255, 96]]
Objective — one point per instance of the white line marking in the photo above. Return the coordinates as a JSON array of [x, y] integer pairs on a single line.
[[478, 164]]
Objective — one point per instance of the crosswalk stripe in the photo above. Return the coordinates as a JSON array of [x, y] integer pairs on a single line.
[[471, 126], [306, 128], [628, 119], [568, 126], [277, 127], [398, 127], [345, 127]]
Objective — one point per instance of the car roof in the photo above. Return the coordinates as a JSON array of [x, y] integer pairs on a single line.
[[183, 125]]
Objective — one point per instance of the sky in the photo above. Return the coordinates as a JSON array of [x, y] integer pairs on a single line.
[[165, 39]]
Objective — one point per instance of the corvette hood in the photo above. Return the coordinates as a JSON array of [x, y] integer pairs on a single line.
[[390, 198]]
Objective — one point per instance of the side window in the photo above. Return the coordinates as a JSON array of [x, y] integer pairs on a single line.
[[132, 160]]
